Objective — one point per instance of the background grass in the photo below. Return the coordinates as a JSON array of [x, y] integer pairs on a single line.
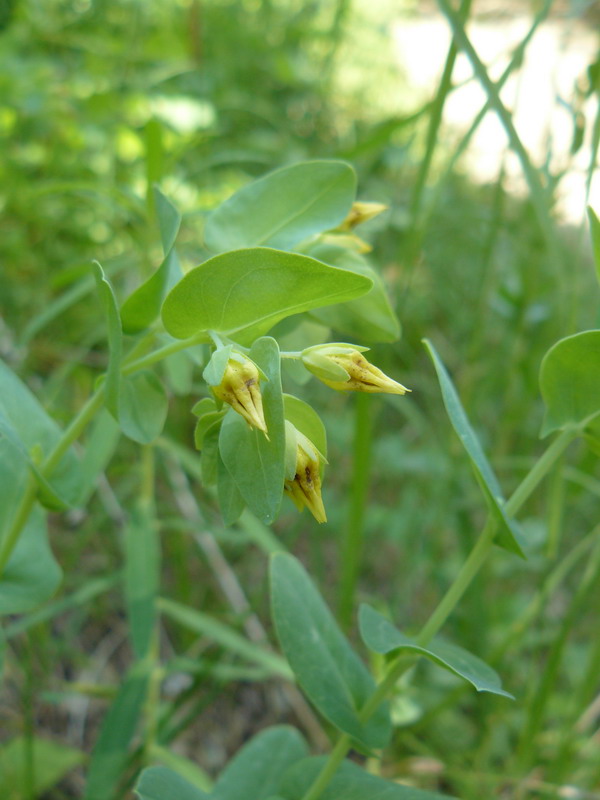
[[100, 99]]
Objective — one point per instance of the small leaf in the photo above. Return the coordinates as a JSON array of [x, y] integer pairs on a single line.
[[381, 636], [143, 407], [111, 752], [231, 501], [508, 535], [169, 220], [32, 574], [215, 369], [142, 306], [327, 668], [162, 783], [369, 318], [256, 771], [115, 339], [256, 463], [308, 422], [569, 382], [350, 782], [284, 207], [248, 291], [595, 232]]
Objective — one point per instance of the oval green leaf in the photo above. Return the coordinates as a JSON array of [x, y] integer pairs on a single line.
[[569, 382], [162, 783], [256, 771], [331, 674], [143, 407], [350, 782], [508, 534], [381, 636], [284, 207], [250, 290], [256, 463]]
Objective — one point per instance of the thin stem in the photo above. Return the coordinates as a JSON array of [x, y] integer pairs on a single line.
[[22, 513], [353, 535], [441, 613], [163, 352]]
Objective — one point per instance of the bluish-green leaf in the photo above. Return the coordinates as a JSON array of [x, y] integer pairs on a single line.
[[162, 783], [369, 318], [142, 576], [595, 232], [284, 207], [188, 770], [256, 463], [143, 407], [256, 771], [508, 534], [169, 220], [32, 574], [231, 501], [381, 636], [335, 680], [569, 382], [115, 339], [350, 782], [142, 306], [111, 751], [248, 291]]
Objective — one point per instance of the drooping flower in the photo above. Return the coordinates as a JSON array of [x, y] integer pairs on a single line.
[[344, 368], [239, 387], [303, 473]]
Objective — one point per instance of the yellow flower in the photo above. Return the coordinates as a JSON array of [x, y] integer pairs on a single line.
[[344, 368], [303, 477], [239, 387], [361, 212]]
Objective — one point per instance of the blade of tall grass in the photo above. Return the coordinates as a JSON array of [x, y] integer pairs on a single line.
[[539, 196]]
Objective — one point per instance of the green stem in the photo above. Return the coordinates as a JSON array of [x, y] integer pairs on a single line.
[[22, 513], [353, 536], [441, 613], [163, 352]]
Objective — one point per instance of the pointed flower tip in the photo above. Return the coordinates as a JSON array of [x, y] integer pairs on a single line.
[[240, 388], [304, 489], [360, 374]]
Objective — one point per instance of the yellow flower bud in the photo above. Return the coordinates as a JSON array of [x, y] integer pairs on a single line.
[[345, 369], [239, 387], [304, 486], [361, 212]]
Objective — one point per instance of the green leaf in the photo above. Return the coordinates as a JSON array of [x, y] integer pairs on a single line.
[[248, 291], [508, 535], [231, 501], [99, 448], [327, 668], [162, 783], [569, 382], [181, 765], [381, 636], [209, 455], [169, 220], [308, 422], [32, 574], [284, 207], [368, 318], [115, 339], [349, 783], [27, 428], [215, 369], [143, 407], [256, 463], [142, 577], [142, 306], [111, 752], [595, 232], [225, 636], [256, 771], [51, 762]]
